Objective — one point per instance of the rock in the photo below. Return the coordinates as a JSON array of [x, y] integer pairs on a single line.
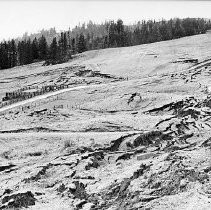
[[61, 188], [80, 203], [39, 193], [7, 191], [88, 206], [125, 156], [183, 182], [78, 190], [71, 187], [145, 156], [18, 200], [92, 163], [140, 171], [124, 186], [6, 167], [209, 89], [148, 138]]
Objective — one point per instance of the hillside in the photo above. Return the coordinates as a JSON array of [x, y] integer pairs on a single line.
[[118, 128]]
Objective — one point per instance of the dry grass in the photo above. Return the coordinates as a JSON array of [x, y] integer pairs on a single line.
[[68, 144], [5, 154]]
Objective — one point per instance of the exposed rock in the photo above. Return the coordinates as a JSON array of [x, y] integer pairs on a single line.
[[61, 188], [6, 167], [88, 206], [39, 174], [80, 204], [183, 182], [18, 200], [133, 97], [78, 190], [7, 191], [92, 163], [146, 156], [186, 60], [140, 171], [71, 187]]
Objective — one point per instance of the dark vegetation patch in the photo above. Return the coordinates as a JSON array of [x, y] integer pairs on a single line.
[[57, 61]]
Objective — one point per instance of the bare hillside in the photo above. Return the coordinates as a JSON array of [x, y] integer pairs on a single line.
[[121, 128]]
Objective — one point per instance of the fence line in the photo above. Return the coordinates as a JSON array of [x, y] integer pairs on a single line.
[[19, 95]]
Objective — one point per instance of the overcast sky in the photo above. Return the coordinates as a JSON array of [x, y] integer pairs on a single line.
[[17, 17]]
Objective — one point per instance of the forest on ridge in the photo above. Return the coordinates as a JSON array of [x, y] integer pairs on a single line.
[[59, 47]]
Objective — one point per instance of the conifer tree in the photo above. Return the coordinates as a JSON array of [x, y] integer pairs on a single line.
[[81, 45], [20, 53], [112, 34], [53, 51], [13, 53], [95, 36], [65, 48], [43, 48], [4, 56], [28, 52], [73, 45], [120, 33], [35, 49]]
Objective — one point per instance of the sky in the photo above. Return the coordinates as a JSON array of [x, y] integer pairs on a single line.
[[19, 16]]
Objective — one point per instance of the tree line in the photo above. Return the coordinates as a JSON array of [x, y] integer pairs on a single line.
[[59, 47]]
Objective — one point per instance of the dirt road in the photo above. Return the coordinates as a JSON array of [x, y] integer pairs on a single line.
[[21, 103]]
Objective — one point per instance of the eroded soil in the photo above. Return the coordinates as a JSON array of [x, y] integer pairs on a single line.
[[136, 135]]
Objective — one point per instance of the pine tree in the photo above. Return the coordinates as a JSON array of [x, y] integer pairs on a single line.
[[1, 56], [28, 52], [53, 51], [35, 49], [65, 48], [20, 53], [5, 58], [73, 45], [144, 33], [105, 44], [14, 53], [156, 33], [137, 36], [120, 38], [61, 44], [112, 35], [95, 36], [178, 30], [68, 40], [43, 48], [81, 45]]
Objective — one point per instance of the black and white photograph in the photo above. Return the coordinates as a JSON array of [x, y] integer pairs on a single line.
[[105, 105]]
